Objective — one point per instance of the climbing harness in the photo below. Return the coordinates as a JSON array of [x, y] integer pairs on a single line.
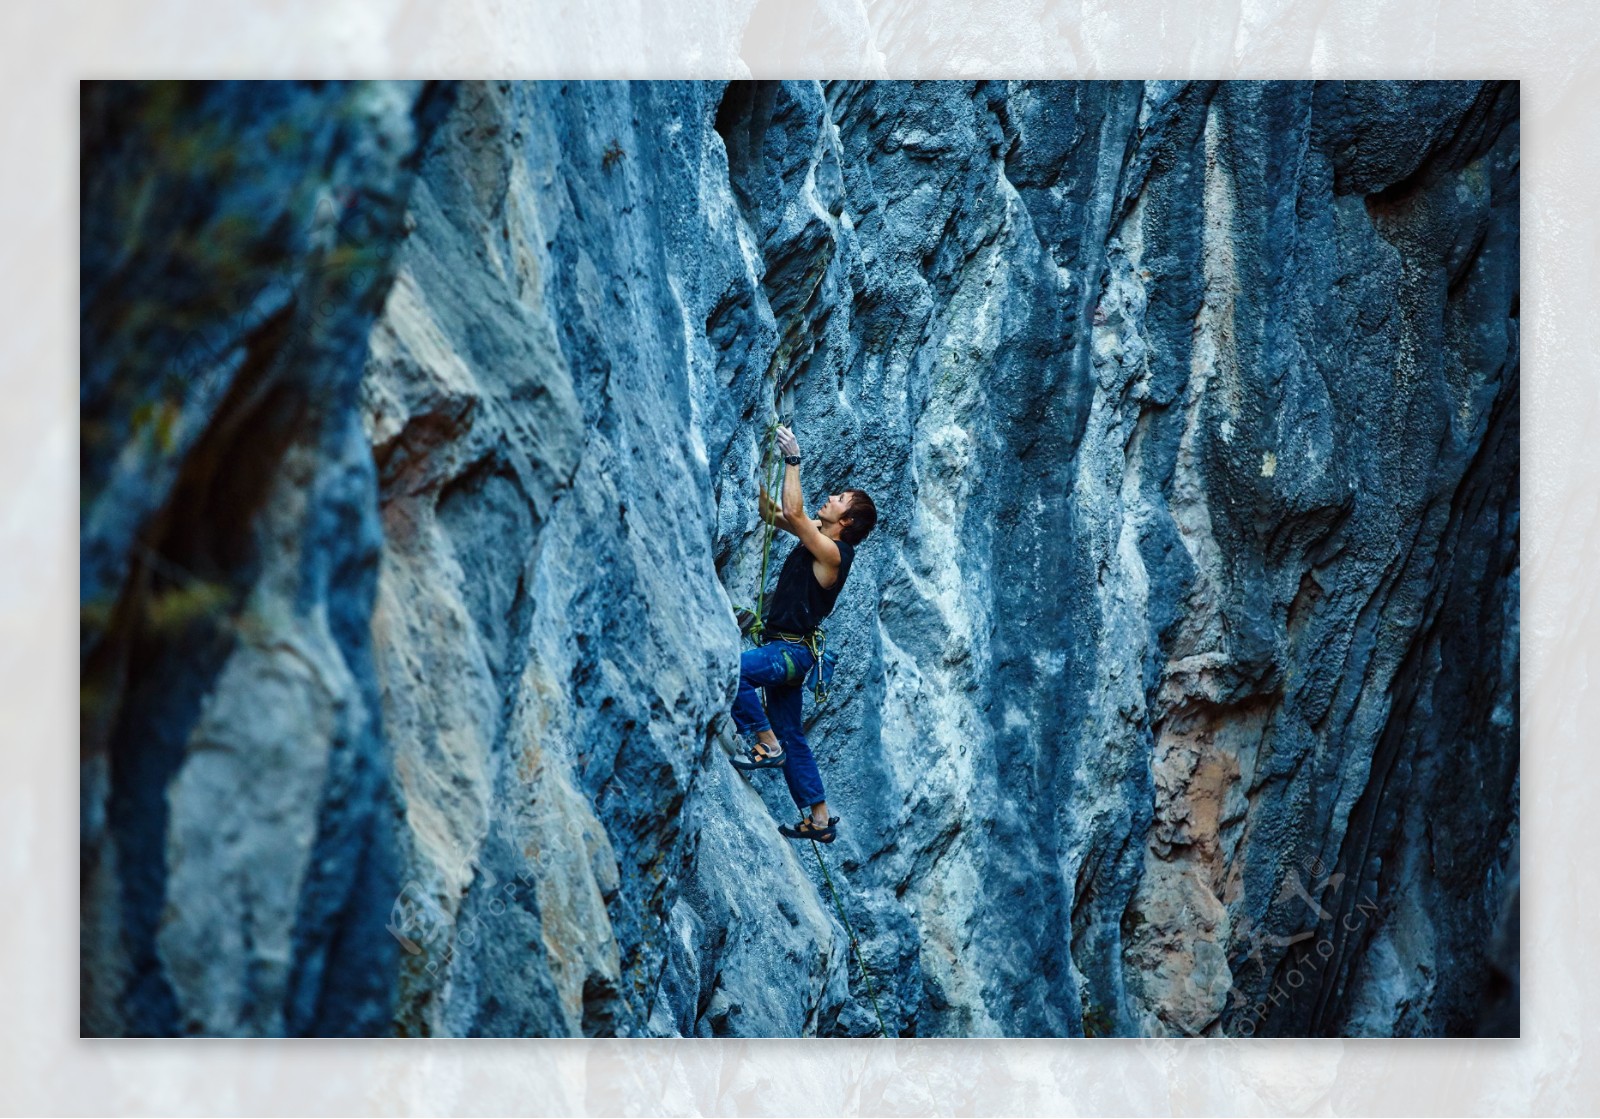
[[855, 944], [819, 677]]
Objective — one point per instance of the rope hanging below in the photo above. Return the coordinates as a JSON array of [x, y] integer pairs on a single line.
[[851, 932]]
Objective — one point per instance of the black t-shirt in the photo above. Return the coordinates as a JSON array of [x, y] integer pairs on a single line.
[[799, 602]]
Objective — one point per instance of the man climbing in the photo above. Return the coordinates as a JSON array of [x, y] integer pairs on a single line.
[[808, 585]]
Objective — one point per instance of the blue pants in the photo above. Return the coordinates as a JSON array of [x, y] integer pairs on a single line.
[[780, 667]]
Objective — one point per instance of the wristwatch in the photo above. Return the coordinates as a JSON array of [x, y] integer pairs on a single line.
[[792, 460]]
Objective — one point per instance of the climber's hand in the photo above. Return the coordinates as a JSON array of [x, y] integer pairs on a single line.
[[787, 443]]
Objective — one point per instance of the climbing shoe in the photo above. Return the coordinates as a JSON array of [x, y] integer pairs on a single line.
[[805, 829], [753, 758]]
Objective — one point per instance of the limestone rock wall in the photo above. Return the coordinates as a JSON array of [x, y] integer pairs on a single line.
[[237, 849], [1179, 685]]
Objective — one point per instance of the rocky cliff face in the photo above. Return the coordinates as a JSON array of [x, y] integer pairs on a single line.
[[1179, 685]]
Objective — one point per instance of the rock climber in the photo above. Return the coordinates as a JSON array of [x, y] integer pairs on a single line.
[[808, 585]]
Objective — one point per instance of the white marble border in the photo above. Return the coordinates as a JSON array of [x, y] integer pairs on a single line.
[[1550, 46]]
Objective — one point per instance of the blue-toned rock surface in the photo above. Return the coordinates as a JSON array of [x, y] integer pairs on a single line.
[[1179, 681], [238, 850]]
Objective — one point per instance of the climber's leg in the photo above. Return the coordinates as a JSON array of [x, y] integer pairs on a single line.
[[799, 766], [761, 668]]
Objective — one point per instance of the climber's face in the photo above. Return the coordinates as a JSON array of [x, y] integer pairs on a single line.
[[837, 506]]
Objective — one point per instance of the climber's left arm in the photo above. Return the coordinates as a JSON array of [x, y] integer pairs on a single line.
[[772, 514]]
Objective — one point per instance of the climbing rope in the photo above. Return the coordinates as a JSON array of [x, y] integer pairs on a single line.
[[854, 943], [771, 469]]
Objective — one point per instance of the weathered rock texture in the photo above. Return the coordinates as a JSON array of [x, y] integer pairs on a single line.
[[1180, 676]]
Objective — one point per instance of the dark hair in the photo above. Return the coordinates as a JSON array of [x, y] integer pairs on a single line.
[[862, 514]]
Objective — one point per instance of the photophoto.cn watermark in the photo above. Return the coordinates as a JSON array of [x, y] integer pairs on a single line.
[[423, 928], [1309, 960]]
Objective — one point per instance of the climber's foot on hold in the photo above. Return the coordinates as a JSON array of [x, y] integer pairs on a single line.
[[809, 829], [759, 756]]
